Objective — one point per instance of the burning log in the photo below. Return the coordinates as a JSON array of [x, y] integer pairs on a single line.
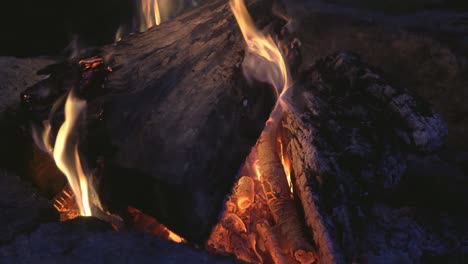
[[173, 121], [244, 192], [347, 132], [271, 242], [278, 195]]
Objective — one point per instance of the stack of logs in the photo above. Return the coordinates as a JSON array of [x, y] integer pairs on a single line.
[[173, 122]]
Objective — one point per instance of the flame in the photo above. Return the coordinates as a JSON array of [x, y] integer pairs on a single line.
[[157, 14], [66, 154], [263, 62], [286, 165], [149, 14], [257, 170], [276, 71], [119, 34]]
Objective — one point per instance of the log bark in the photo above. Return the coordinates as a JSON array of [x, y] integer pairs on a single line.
[[347, 132], [175, 119]]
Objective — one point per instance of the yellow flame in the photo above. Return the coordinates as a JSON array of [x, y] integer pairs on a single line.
[[262, 45], [149, 14], [66, 154], [276, 72], [257, 170], [157, 14]]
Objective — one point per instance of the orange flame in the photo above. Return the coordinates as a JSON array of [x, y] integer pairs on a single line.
[[286, 165], [276, 71]]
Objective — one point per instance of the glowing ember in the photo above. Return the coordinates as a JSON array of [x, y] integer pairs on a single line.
[[148, 224], [65, 204], [248, 232]]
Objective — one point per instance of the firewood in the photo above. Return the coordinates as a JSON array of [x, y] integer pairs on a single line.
[[347, 132], [277, 192], [244, 192], [271, 241], [173, 118]]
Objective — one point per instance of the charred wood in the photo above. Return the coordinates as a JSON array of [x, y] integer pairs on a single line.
[[174, 119], [348, 133]]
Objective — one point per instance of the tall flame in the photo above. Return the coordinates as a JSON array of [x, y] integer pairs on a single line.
[[66, 154], [273, 69], [276, 71]]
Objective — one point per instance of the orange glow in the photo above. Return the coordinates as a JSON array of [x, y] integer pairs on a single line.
[[174, 237], [148, 224], [276, 71], [66, 205]]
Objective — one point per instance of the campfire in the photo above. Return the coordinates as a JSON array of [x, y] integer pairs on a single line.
[[205, 128]]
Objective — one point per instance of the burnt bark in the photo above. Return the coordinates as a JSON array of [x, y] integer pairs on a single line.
[[348, 132], [174, 120]]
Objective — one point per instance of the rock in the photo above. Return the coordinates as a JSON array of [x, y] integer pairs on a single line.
[[410, 235], [21, 209], [88, 240]]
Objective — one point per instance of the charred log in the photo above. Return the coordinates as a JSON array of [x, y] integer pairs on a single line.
[[348, 133], [173, 121]]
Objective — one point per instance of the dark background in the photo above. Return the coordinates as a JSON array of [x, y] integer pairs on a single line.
[[45, 27]]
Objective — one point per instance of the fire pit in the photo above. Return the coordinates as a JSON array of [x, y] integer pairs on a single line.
[[205, 133]]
